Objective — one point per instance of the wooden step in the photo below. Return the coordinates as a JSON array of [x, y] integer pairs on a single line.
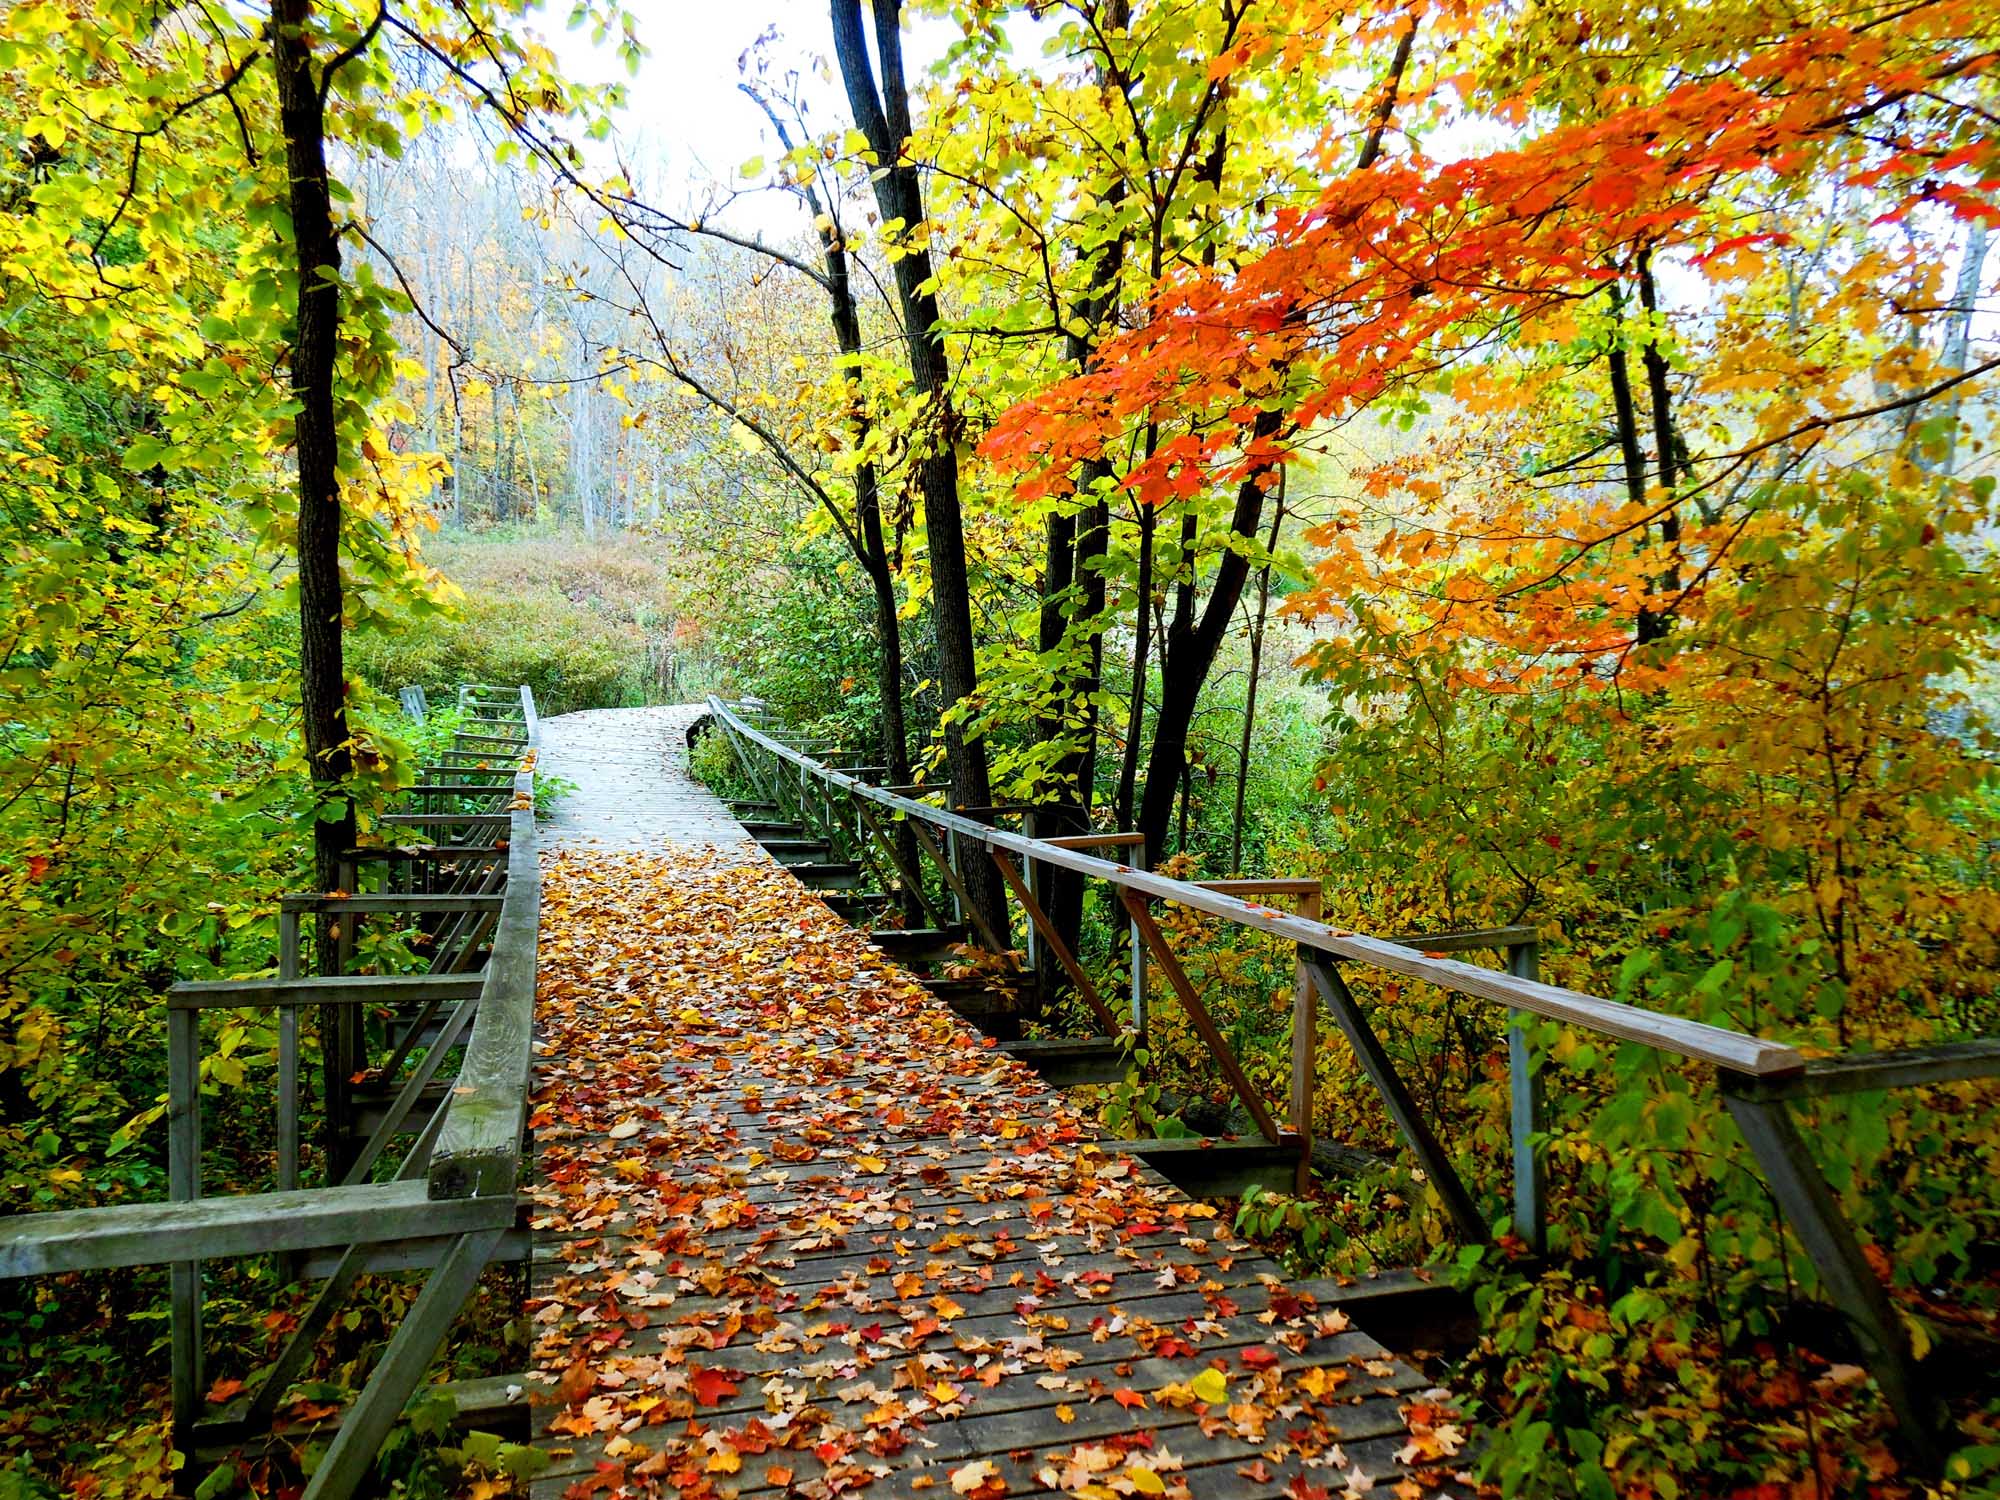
[[915, 944], [1210, 1166], [752, 804], [829, 875], [1065, 1062], [776, 827], [795, 852]]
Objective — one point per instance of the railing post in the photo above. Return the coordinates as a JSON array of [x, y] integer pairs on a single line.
[[1305, 1037], [1029, 827], [1138, 946], [184, 1186], [288, 1057], [1524, 1079]]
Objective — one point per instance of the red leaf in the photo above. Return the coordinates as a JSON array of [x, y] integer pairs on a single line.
[[712, 1387]]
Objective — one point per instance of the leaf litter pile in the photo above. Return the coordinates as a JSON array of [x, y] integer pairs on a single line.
[[801, 1230]]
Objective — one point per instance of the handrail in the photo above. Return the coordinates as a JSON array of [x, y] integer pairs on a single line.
[[1732, 1051], [478, 1150]]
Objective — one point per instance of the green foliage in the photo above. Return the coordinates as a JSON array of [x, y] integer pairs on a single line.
[[568, 655]]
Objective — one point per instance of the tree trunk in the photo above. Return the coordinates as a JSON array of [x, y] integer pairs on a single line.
[[1250, 693], [883, 116], [316, 438]]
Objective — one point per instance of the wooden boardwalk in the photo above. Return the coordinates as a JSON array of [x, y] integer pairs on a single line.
[[799, 1229]]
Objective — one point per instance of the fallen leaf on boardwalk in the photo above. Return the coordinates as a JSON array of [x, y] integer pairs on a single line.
[[795, 1219], [979, 1480]]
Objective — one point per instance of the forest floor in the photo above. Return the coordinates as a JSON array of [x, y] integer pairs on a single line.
[[800, 1229]]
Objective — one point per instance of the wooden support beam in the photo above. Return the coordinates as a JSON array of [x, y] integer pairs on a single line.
[[448, 820], [424, 853], [340, 989], [389, 901], [991, 940], [1065, 1062], [1470, 942], [347, 1462], [1197, 1013], [151, 1234], [1430, 1154], [1524, 1115], [913, 880], [1814, 1214], [1275, 886], [1097, 841], [1054, 942], [1305, 1049], [1898, 1068]]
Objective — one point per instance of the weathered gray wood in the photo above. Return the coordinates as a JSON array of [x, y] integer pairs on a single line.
[[1524, 1088], [1473, 941], [961, 899], [184, 1188], [1205, 1167], [1052, 940], [1900, 1068], [415, 1344], [1064, 1062], [151, 1234], [1197, 1014], [415, 706], [1674, 1034], [338, 989], [413, 1087], [1261, 886], [1098, 841], [479, 1147], [1346, 1013], [913, 880], [289, 960], [1305, 1049], [388, 901], [1814, 1214], [447, 820], [427, 853]]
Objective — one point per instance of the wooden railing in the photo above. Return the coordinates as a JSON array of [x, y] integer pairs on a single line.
[[1759, 1079], [471, 891]]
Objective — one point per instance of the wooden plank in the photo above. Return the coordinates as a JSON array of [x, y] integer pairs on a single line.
[[1098, 841], [151, 1234], [1305, 1052], [343, 989], [424, 853], [346, 1463], [1724, 1048]]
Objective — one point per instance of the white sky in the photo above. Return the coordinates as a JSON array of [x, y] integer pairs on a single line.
[[686, 124]]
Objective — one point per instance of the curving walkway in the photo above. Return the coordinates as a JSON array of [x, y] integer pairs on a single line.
[[800, 1230]]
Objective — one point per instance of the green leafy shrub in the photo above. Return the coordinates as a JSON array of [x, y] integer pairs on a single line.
[[572, 657]]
